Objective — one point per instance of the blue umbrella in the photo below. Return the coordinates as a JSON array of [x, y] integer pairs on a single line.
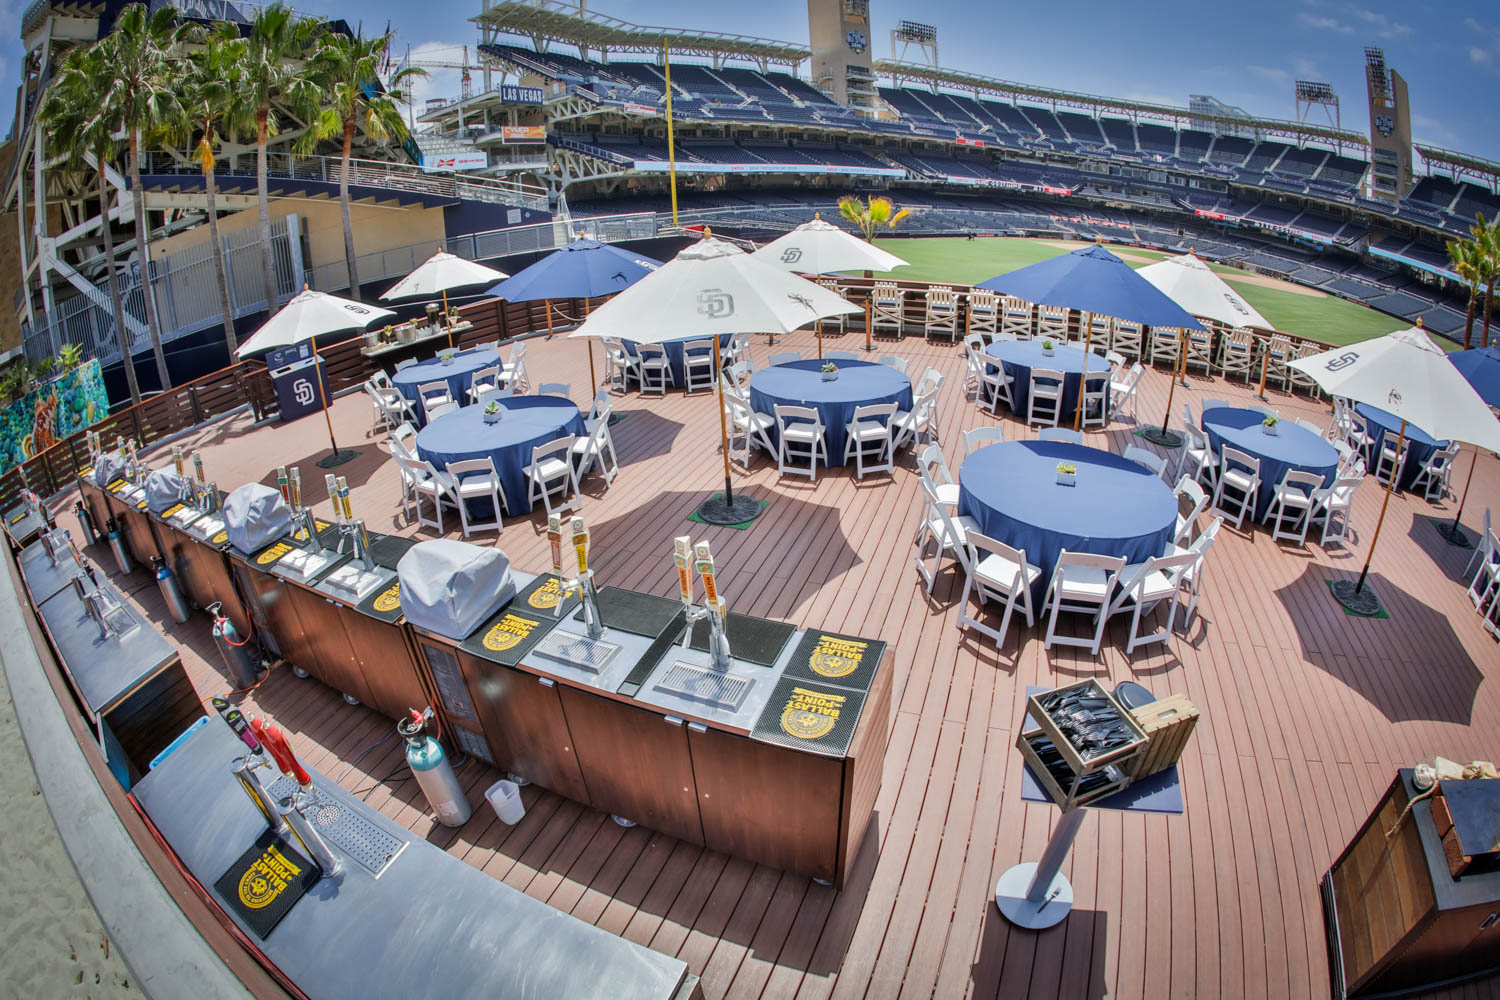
[[581, 270], [1481, 369]]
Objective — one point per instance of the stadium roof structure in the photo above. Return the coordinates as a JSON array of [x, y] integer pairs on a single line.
[[935, 76], [546, 21], [1461, 164]]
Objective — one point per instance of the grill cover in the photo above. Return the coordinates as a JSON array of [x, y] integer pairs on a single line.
[[109, 467], [164, 488], [450, 587], [255, 515]]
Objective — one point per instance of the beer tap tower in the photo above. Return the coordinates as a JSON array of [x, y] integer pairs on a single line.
[[583, 583], [351, 529], [714, 608]]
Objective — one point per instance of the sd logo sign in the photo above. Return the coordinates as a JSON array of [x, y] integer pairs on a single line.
[[302, 390], [791, 255], [1342, 361], [715, 303]]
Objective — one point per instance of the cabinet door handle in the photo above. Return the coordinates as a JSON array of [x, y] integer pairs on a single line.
[[672, 720], [697, 727], [546, 682], [1489, 921]]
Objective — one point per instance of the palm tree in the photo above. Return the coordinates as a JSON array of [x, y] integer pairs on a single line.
[[1463, 255], [346, 69], [141, 51], [209, 93], [273, 78], [872, 214], [79, 128], [1487, 254]]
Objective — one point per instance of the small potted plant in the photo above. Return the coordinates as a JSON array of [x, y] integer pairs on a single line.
[[492, 412], [1268, 425], [453, 316], [447, 355], [1067, 474], [830, 371], [1048, 348]]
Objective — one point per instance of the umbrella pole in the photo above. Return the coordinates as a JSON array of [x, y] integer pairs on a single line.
[[445, 319], [1162, 436], [726, 509], [1083, 380], [820, 340], [338, 457], [1265, 365], [1454, 533], [868, 299], [1356, 598], [593, 383], [547, 305]]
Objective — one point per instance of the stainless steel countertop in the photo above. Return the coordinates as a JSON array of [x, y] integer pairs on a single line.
[[430, 926], [106, 671], [42, 578]]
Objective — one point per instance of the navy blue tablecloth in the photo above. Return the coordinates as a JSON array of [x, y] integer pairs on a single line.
[[1291, 447], [1420, 445], [459, 376], [528, 421], [674, 352], [800, 383], [1117, 508], [1018, 357]]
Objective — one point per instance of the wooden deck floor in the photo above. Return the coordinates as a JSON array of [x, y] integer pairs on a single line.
[[1306, 714]]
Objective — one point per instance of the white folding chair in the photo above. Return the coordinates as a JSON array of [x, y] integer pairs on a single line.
[[1143, 586], [404, 437], [440, 409], [1432, 478], [1485, 583], [551, 471], [1293, 501], [388, 413], [916, 424], [1066, 435], [840, 356], [994, 383], [1264, 411], [1015, 317], [996, 572], [979, 437], [476, 479], [655, 368], [1146, 459], [785, 358], [595, 447], [425, 482], [513, 374], [738, 351], [801, 433], [933, 470], [1213, 404], [1082, 582], [750, 428], [563, 389], [1198, 460], [1483, 552], [698, 365], [1191, 501], [600, 409], [1122, 393], [1389, 463], [867, 437], [484, 382], [1194, 573], [432, 394], [1045, 404], [1308, 425], [1239, 485], [401, 365], [950, 532], [1334, 505], [890, 360], [621, 367], [1093, 396]]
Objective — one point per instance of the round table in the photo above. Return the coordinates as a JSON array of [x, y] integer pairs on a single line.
[[800, 383], [1117, 508], [1291, 448], [675, 352], [459, 376], [528, 421], [1019, 357], [1420, 446]]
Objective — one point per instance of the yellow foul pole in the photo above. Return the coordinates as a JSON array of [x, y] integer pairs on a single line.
[[666, 62]]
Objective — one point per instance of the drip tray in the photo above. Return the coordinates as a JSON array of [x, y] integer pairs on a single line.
[[578, 651], [354, 583], [360, 840], [299, 564], [706, 685], [208, 526]]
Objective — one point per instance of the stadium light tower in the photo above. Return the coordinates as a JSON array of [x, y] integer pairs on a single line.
[[909, 33], [842, 63], [1312, 95]]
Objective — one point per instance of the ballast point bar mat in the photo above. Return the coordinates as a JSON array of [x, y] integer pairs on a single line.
[[520, 624], [832, 658], [634, 612], [756, 640], [264, 883], [384, 604], [811, 716]]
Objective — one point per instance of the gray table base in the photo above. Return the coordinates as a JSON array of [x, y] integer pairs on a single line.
[[1036, 894]]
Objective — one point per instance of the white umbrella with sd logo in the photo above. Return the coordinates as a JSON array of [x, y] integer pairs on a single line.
[[713, 288], [1406, 374]]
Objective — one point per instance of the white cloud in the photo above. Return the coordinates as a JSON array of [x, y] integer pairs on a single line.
[[1484, 50], [1319, 22], [1382, 25], [1430, 130], [1273, 73], [1478, 56]]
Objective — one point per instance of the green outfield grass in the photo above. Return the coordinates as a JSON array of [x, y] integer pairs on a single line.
[[963, 261]]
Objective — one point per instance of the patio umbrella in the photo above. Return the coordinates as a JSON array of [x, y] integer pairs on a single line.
[[1093, 280], [581, 270], [1408, 375], [308, 316], [1481, 368], [441, 273], [710, 289], [819, 247]]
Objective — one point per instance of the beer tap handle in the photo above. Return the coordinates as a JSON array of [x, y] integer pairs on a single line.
[[276, 743]]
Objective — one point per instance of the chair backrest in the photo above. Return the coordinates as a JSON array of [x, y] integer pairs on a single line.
[[1115, 358], [1064, 434], [696, 349], [982, 544], [885, 293], [840, 356], [933, 467], [655, 352], [796, 414], [1263, 410], [981, 436], [1191, 499], [1213, 404], [381, 380], [427, 389], [740, 370], [1303, 482], [471, 466], [486, 376], [441, 409], [1240, 341], [1091, 560], [405, 364], [564, 389], [1197, 438], [877, 412], [890, 360], [404, 437], [931, 381], [1233, 456], [1280, 346], [938, 511], [982, 301], [785, 357], [1205, 541], [974, 342], [1045, 375], [559, 446], [941, 297], [829, 282], [1309, 425], [601, 406], [1146, 458]]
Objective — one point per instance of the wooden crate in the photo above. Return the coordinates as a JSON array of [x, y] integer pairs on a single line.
[[1067, 792], [1090, 689], [1168, 722]]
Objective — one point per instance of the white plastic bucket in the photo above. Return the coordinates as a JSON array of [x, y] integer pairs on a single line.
[[505, 798]]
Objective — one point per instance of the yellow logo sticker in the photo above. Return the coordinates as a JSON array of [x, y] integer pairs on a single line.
[[274, 553], [390, 600], [221, 537], [268, 877], [170, 511], [116, 486], [835, 657], [546, 596], [508, 633], [810, 715]]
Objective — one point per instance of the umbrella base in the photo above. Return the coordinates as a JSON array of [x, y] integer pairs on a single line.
[[1454, 535], [740, 510], [1163, 437], [1362, 602], [337, 458]]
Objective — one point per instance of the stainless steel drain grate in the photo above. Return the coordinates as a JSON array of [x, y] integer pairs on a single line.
[[711, 687], [359, 839], [578, 651]]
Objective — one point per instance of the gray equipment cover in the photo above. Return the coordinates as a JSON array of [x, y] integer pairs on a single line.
[[451, 587], [255, 515], [111, 466], [164, 488]]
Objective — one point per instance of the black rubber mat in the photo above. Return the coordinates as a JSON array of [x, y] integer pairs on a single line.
[[830, 658], [813, 717], [265, 882], [755, 640], [511, 632], [653, 654], [387, 550], [634, 612]]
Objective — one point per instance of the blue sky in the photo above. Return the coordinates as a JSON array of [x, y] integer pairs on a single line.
[[1159, 50]]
